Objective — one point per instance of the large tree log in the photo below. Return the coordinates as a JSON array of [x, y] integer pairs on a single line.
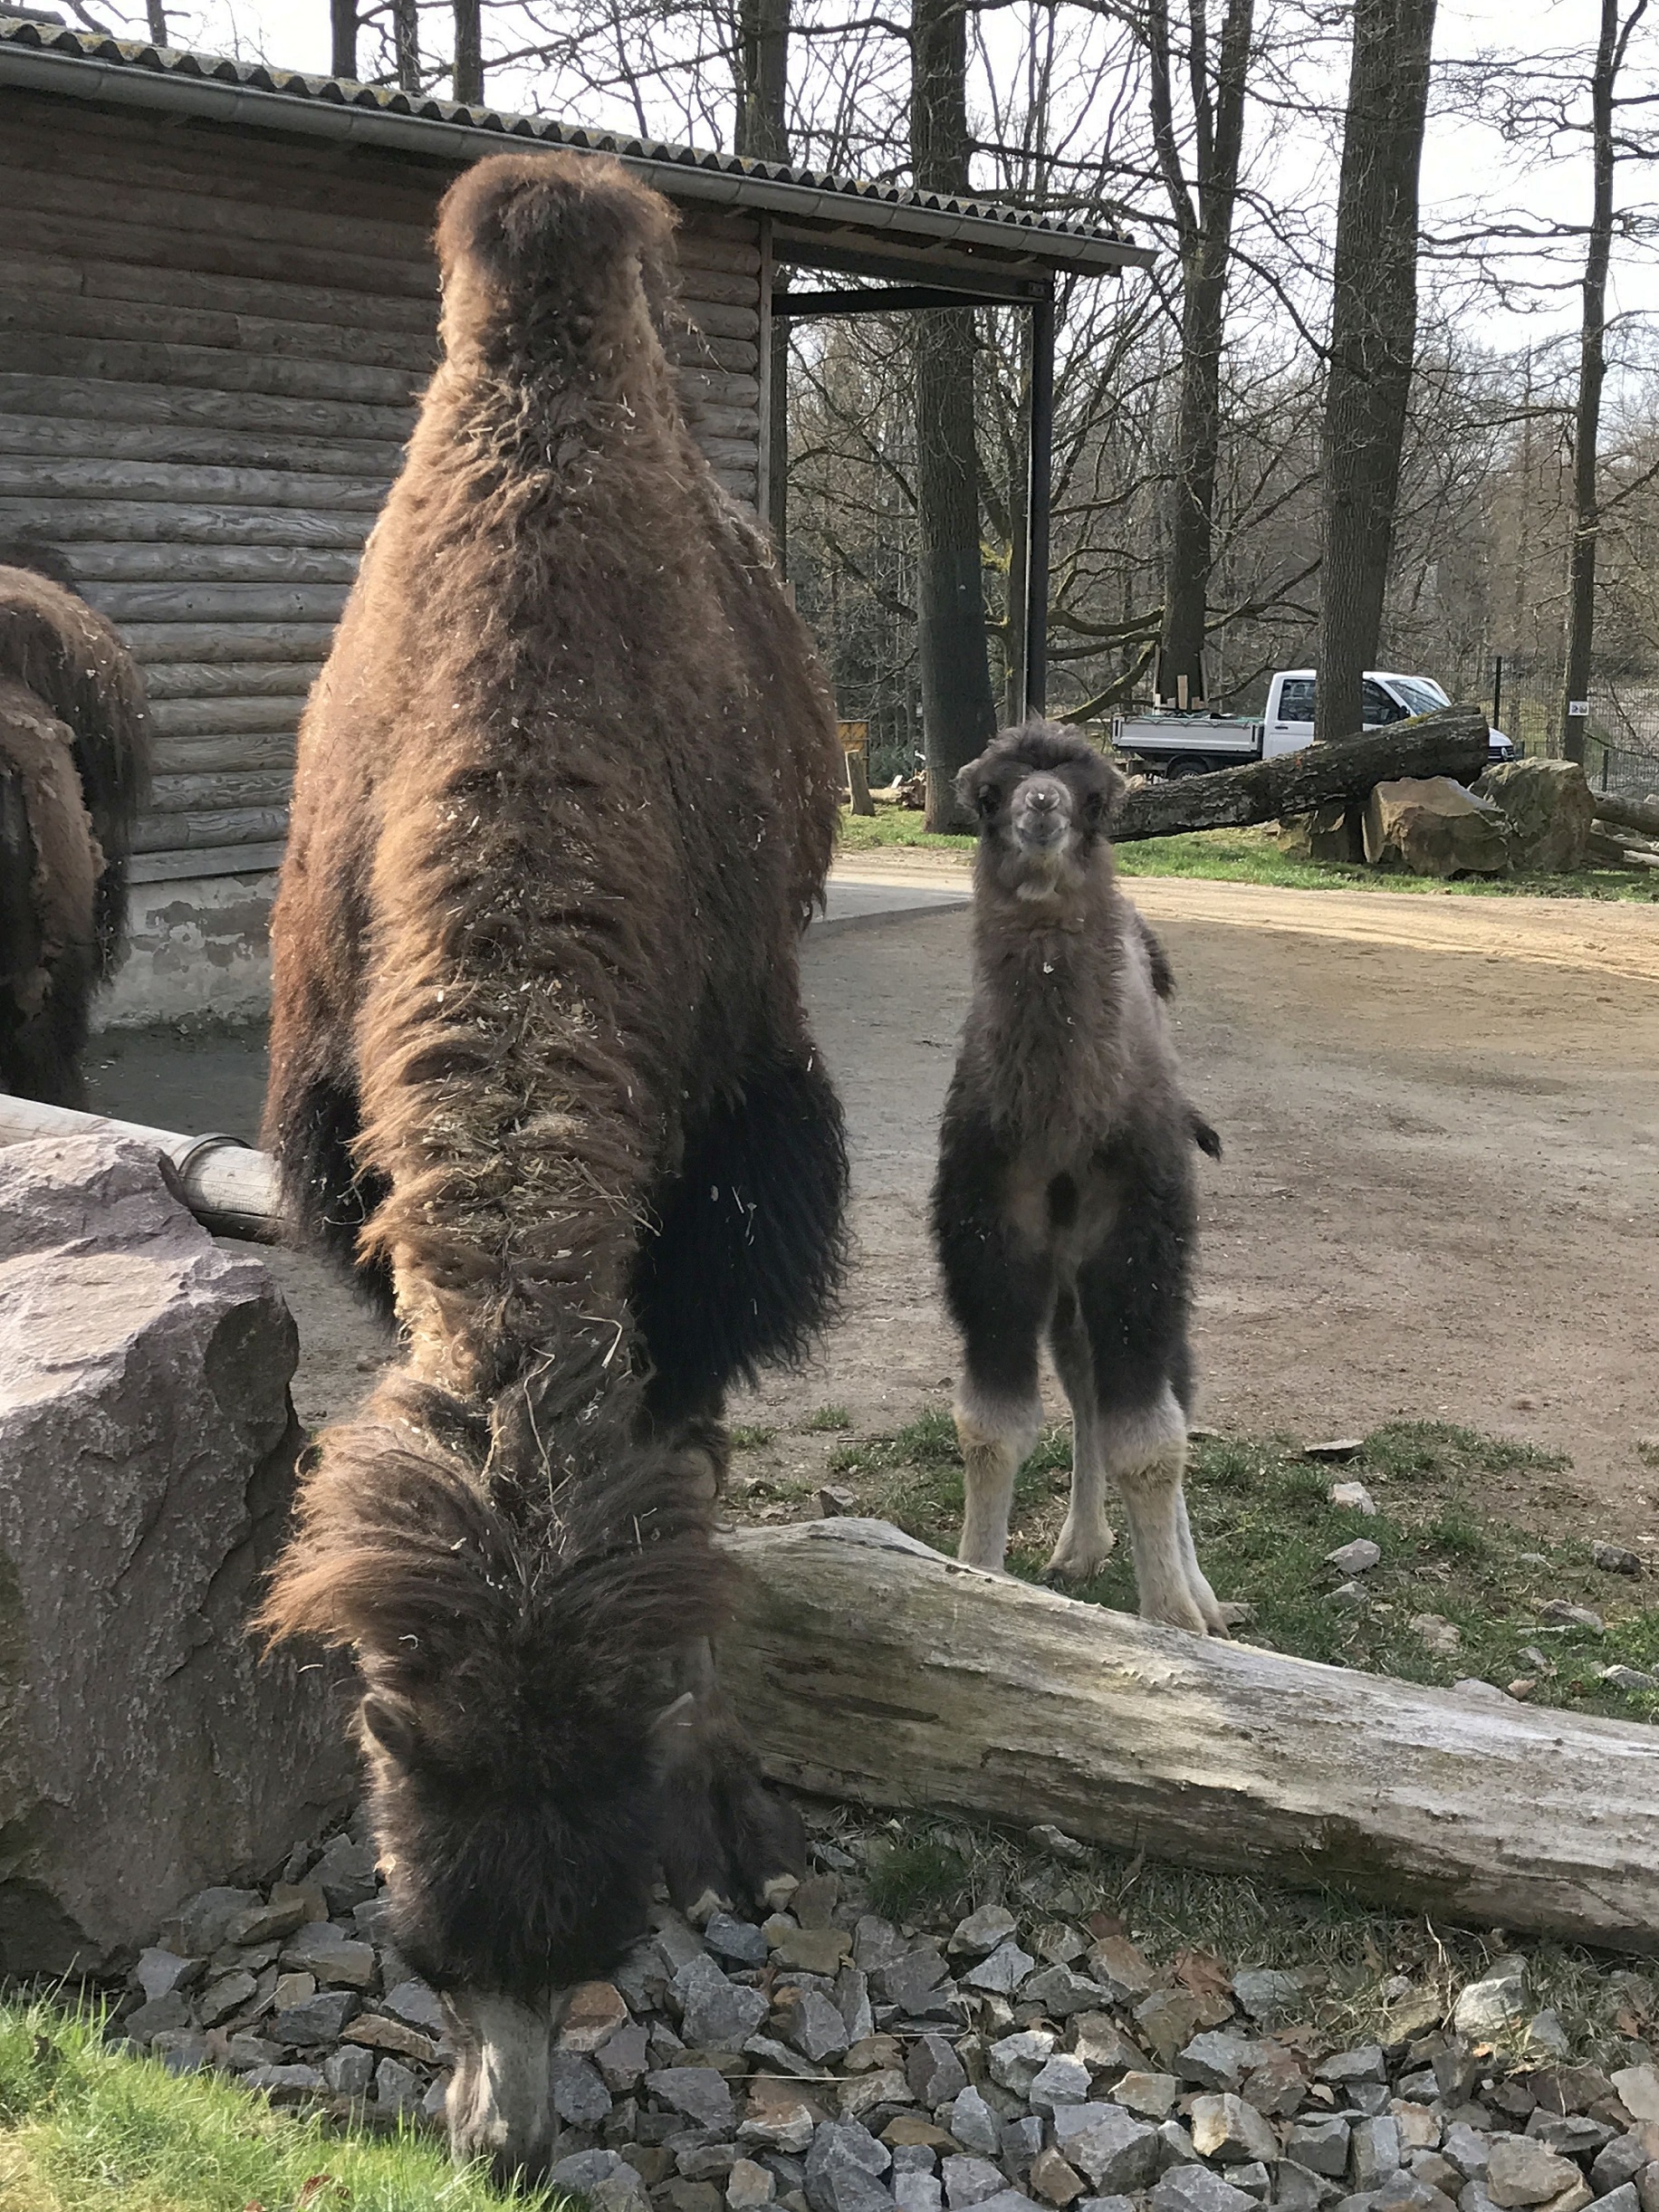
[[871, 1668], [1453, 742], [1628, 813]]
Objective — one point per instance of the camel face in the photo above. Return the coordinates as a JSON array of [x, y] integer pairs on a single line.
[[500, 2101], [1043, 799]]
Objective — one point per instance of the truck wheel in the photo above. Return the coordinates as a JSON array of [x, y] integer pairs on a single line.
[[1190, 764]]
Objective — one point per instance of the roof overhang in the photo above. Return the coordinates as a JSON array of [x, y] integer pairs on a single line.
[[863, 229]]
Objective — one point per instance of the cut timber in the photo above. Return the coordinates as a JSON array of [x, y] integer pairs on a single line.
[[1627, 813], [868, 1666], [1453, 742], [230, 1189]]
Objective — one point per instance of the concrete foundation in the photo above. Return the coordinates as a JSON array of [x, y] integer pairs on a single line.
[[196, 945]]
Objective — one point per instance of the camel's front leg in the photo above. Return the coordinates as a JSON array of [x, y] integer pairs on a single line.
[[726, 1837], [996, 1433]]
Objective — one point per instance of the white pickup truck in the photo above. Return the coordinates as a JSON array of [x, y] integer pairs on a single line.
[[1193, 742]]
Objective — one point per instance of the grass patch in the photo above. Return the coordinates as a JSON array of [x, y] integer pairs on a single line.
[[1252, 856], [750, 1440], [85, 2128], [1264, 1524], [912, 1878], [827, 1419]]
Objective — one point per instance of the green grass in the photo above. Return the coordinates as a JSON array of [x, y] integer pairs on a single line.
[[1264, 1526], [85, 2128], [1252, 856], [909, 1880], [750, 1439], [827, 1419]]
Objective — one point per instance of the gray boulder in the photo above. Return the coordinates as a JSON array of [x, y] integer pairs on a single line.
[[1431, 826], [147, 1451], [1548, 807]]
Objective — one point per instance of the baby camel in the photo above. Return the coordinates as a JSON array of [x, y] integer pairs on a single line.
[[1065, 1200]]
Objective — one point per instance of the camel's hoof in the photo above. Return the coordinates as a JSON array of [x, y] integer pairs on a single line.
[[1079, 1559]]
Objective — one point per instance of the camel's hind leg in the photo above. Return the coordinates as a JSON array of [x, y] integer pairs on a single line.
[[1087, 1540], [725, 1837]]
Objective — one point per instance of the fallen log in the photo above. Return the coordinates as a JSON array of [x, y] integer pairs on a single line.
[[1453, 742], [1628, 813], [871, 1668], [231, 1188]]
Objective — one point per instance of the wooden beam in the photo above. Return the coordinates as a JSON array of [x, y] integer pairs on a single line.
[[871, 1668], [1451, 743], [231, 1188], [1628, 813]]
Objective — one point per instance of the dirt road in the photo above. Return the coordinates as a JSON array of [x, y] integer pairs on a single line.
[[1439, 1199]]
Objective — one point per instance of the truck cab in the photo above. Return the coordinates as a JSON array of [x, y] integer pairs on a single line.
[[1384, 697]]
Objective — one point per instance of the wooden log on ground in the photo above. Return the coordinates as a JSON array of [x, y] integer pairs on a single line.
[[868, 1666], [1627, 813], [1453, 742], [230, 1188]]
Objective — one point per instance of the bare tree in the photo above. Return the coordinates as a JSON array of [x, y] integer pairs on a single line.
[[405, 43], [1610, 51], [342, 36], [1373, 341], [1203, 210], [958, 712], [156, 15], [468, 79]]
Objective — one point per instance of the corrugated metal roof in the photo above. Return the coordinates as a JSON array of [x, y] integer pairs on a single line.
[[87, 64]]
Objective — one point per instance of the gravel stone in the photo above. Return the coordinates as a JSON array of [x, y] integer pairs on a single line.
[[1194, 2188], [877, 1943], [1617, 2163], [1002, 1972], [1264, 1993], [1175, 2145], [159, 1972], [1253, 2178], [703, 2161], [778, 2118], [1364, 2063], [335, 1959], [1355, 1497], [812, 1950], [1376, 2151], [1322, 2146], [1277, 2087], [982, 1932], [418, 2006], [1101, 2045], [350, 2070], [1231, 2132], [934, 2070], [1217, 2060], [808, 2023], [1295, 2189], [748, 2185], [1470, 2153], [1105, 2204], [1560, 1613], [318, 2019], [698, 2091], [266, 1923], [244, 2052], [739, 1940], [1119, 2152], [1061, 1993], [1021, 2140], [1522, 2172], [1622, 2200], [1637, 2090], [1121, 1969], [1167, 2019], [915, 2191], [396, 2089], [916, 1983], [716, 2014], [843, 2169], [1055, 2181], [1062, 2080], [1356, 1558], [1016, 2061], [974, 2123], [201, 1923], [780, 2058], [286, 2085], [345, 1873], [579, 2096], [229, 1993], [182, 2050], [969, 2181], [1488, 2008], [866, 2092], [161, 2016], [1151, 2096]]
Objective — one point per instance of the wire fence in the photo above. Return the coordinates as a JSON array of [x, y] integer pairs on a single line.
[[1621, 741]]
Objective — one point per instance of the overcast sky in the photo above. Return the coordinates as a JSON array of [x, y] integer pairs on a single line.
[[1465, 167]]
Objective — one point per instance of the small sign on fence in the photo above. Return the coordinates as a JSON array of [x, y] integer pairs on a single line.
[[854, 735], [1577, 706]]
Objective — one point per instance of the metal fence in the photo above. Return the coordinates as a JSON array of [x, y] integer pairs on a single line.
[[1621, 750]]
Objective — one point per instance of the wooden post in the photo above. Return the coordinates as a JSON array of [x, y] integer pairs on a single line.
[[230, 1188], [855, 739]]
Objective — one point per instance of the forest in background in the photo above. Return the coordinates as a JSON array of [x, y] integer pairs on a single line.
[[1199, 427]]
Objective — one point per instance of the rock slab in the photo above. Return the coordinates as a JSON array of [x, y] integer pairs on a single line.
[[1431, 826], [146, 1447]]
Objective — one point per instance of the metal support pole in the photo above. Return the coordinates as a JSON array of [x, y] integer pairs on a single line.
[[1040, 462]]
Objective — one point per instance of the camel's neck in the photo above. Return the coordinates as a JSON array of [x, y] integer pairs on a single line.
[[1045, 1035]]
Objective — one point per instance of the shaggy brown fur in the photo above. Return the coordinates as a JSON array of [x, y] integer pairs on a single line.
[[1064, 1204], [73, 769], [566, 795]]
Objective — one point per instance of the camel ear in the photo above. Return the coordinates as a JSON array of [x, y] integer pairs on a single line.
[[968, 782], [393, 1723]]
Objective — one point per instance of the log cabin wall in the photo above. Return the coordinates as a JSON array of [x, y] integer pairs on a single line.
[[211, 341]]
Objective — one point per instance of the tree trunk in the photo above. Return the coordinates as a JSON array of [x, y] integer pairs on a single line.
[[342, 32], [1015, 603], [469, 52], [1628, 813], [157, 14], [1453, 742], [1373, 342], [405, 43], [958, 710], [762, 90], [871, 1668], [1204, 233], [1592, 370]]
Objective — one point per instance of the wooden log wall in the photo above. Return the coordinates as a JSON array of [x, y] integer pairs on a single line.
[[211, 341]]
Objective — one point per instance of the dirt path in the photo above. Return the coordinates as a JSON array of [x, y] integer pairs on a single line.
[[1439, 1199]]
